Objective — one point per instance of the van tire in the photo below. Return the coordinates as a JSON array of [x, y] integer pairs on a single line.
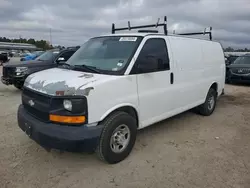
[[207, 108], [113, 122]]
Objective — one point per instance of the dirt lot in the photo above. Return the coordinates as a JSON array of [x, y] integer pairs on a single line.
[[185, 151]]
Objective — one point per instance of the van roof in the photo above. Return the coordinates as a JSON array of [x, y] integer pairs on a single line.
[[150, 34], [126, 34]]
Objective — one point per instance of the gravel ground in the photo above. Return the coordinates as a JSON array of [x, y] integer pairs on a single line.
[[187, 150]]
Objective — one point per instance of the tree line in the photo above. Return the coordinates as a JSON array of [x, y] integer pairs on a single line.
[[42, 44], [230, 49]]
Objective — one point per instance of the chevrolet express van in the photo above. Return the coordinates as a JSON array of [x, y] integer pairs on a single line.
[[115, 85]]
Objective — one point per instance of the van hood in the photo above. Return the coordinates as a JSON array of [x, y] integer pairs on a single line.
[[60, 82]]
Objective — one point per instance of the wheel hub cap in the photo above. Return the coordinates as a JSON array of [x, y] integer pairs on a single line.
[[120, 139], [211, 102]]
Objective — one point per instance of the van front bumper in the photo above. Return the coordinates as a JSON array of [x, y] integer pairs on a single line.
[[61, 137]]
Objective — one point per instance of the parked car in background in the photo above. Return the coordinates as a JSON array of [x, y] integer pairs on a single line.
[[31, 56], [16, 73], [239, 70], [4, 57], [231, 59], [23, 54]]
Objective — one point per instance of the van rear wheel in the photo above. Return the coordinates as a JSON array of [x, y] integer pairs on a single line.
[[118, 137], [207, 108]]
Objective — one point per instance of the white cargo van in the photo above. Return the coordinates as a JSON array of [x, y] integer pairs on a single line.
[[117, 84]]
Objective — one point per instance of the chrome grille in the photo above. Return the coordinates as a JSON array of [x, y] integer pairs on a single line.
[[40, 104]]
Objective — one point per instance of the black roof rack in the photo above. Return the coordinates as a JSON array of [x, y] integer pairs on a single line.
[[164, 25], [200, 33], [148, 31]]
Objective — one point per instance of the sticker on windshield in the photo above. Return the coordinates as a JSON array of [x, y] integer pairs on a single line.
[[55, 52], [131, 39], [119, 64]]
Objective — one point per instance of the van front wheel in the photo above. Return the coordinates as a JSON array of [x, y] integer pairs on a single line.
[[118, 137], [207, 108]]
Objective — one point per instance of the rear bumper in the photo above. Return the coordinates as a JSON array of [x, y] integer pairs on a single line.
[[54, 136]]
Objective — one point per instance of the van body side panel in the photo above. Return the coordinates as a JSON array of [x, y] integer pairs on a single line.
[[213, 56], [190, 67], [110, 94], [199, 64]]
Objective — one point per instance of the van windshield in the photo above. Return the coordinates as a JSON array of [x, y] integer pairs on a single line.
[[242, 60], [106, 54]]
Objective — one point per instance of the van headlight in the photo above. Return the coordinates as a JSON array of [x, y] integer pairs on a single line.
[[69, 110], [67, 104]]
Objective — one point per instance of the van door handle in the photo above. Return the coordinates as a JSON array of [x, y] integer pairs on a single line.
[[171, 78]]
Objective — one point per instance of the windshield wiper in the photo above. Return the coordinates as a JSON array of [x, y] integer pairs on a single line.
[[88, 68]]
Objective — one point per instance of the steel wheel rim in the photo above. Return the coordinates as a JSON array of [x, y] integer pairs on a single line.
[[211, 102], [120, 138]]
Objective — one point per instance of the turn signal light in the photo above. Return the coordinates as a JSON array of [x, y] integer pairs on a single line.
[[67, 119]]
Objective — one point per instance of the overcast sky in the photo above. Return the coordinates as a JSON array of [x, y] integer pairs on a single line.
[[73, 22]]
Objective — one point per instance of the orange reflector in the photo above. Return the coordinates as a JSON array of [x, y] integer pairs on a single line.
[[67, 119]]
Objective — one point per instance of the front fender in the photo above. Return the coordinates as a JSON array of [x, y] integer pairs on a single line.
[[108, 112]]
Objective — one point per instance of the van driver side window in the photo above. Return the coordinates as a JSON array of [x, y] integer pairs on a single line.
[[152, 58]]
